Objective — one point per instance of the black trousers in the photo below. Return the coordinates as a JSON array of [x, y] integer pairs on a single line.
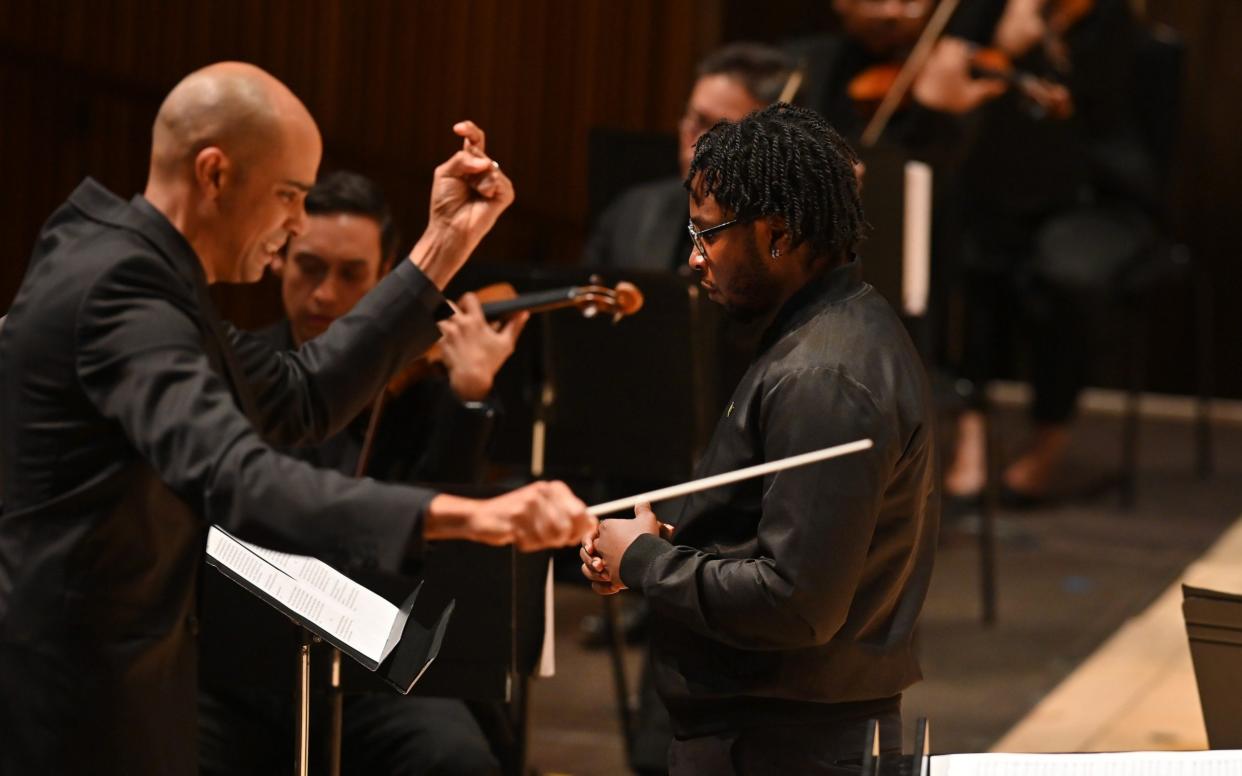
[[811, 748], [247, 732], [1038, 277]]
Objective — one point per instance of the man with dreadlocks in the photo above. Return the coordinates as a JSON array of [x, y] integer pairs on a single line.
[[785, 607]]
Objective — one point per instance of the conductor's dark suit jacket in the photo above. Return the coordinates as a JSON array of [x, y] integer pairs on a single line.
[[132, 420]]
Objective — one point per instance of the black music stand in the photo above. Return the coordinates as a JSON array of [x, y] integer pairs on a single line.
[[411, 646], [917, 763], [1214, 628]]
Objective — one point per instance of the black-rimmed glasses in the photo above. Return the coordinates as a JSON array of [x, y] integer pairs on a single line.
[[697, 235]]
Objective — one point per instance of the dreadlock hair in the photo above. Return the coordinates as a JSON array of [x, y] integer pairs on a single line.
[[785, 161], [348, 192]]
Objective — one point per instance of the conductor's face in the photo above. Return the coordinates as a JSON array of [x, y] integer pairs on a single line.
[[732, 268], [266, 204]]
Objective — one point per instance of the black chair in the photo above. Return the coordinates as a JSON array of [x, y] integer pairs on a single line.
[[1155, 91]]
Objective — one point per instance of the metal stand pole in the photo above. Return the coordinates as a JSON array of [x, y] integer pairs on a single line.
[[301, 754], [338, 716], [987, 516]]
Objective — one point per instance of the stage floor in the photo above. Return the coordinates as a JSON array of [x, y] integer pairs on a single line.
[[1070, 576]]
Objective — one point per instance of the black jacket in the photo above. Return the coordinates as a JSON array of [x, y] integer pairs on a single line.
[[783, 596], [426, 434], [132, 420], [645, 228]]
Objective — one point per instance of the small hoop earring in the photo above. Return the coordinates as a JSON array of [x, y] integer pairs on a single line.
[[776, 252]]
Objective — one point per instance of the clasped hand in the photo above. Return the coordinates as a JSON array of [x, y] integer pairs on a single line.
[[603, 548]]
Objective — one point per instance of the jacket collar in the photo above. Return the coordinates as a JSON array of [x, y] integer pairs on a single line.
[[140, 216], [836, 285]]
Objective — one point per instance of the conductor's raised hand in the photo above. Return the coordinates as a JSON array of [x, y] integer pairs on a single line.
[[468, 193]]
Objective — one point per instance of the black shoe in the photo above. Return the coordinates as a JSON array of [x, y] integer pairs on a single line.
[[954, 505], [1020, 501]]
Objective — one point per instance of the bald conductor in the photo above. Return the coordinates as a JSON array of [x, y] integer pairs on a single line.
[[134, 418]]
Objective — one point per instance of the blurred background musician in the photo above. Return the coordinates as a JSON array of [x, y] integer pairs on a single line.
[[645, 227], [1055, 210], [840, 73]]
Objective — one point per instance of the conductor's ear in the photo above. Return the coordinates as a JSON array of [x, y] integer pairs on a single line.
[[212, 171]]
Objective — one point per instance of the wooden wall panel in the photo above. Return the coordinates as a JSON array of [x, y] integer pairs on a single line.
[[386, 79]]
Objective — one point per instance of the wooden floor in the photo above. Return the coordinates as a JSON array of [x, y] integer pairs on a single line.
[[1137, 692]]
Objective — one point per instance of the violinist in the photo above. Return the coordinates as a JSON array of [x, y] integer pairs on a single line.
[[1055, 210], [435, 430], [845, 75]]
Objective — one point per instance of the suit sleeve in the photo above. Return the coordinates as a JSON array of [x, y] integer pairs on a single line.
[[140, 361], [816, 526], [307, 395]]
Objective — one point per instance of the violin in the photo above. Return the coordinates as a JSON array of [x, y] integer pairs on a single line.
[[501, 300], [868, 89], [887, 87]]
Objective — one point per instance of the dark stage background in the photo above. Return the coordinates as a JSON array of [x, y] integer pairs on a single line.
[[80, 83]]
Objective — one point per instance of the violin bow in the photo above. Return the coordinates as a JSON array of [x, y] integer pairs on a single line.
[[905, 77]]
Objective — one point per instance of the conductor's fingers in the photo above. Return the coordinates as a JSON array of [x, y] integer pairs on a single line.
[[473, 138], [464, 164]]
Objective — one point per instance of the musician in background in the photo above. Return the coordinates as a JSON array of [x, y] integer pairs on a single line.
[[645, 228], [1055, 211], [784, 607], [434, 430], [882, 33]]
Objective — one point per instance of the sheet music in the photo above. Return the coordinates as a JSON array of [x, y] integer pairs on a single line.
[[1211, 763], [313, 590]]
